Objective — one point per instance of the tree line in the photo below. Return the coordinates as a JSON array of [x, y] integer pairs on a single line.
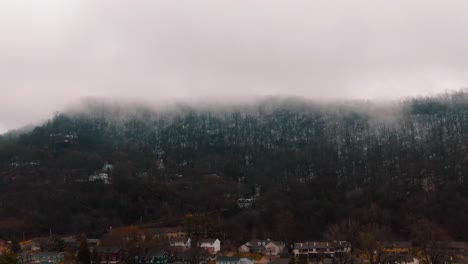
[[314, 165]]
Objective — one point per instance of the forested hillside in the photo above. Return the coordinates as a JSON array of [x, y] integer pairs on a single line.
[[310, 165]]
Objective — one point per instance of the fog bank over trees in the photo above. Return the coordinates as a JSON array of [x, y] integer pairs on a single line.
[[312, 164]]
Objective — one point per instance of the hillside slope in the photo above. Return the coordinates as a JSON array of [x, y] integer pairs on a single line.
[[312, 165]]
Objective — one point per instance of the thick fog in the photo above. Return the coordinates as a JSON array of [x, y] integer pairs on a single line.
[[53, 53]]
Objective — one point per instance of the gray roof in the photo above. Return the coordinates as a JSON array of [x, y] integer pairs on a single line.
[[278, 243], [69, 240], [47, 254], [258, 241], [93, 241], [256, 248]]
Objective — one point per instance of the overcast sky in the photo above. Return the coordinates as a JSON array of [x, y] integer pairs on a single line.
[[53, 53]]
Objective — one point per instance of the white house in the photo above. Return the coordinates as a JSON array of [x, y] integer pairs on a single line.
[[180, 242], [244, 249], [104, 177], [321, 248], [213, 245], [107, 167]]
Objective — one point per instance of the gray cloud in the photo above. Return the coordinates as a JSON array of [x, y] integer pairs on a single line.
[[55, 52]]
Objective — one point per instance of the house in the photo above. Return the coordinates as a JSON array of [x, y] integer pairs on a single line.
[[321, 248], [43, 257], [93, 243], [253, 246], [212, 245], [110, 255], [107, 167], [266, 247], [408, 259], [157, 257], [70, 240], [457, 251], [153, 257], [166, 232], [244, 249], [233, 260], [245, 202], [453, 247], [180, 242], [274, 248], [398, 247], [104, 177], [33, 244], [73, 243], [26, 245]]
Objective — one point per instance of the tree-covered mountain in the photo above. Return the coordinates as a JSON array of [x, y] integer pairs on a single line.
[[310, 164]]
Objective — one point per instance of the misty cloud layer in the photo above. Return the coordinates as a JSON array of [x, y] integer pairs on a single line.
[[54, 52]]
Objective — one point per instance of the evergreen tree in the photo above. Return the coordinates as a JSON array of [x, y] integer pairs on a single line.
[[9, 257], [15, 247], [83, 256]]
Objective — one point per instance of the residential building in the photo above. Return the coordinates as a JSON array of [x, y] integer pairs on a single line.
[[321, 248], [398, 247], [274, 248], [212, 245], [266, 247], [233, 260], [166, 232], [181, 243], [245, 202], [104, 177], [157, 257], [153, 257], [110, 255], [43, 257]]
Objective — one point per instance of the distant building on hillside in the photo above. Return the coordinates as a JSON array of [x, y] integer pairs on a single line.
[[265, 247], [321, 248], [212, 245], [110, 255], [180, 243], [233, 260], [153, 257], [166, 232], [42, 257], [245, 202], [104, 177], [107, 167]]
